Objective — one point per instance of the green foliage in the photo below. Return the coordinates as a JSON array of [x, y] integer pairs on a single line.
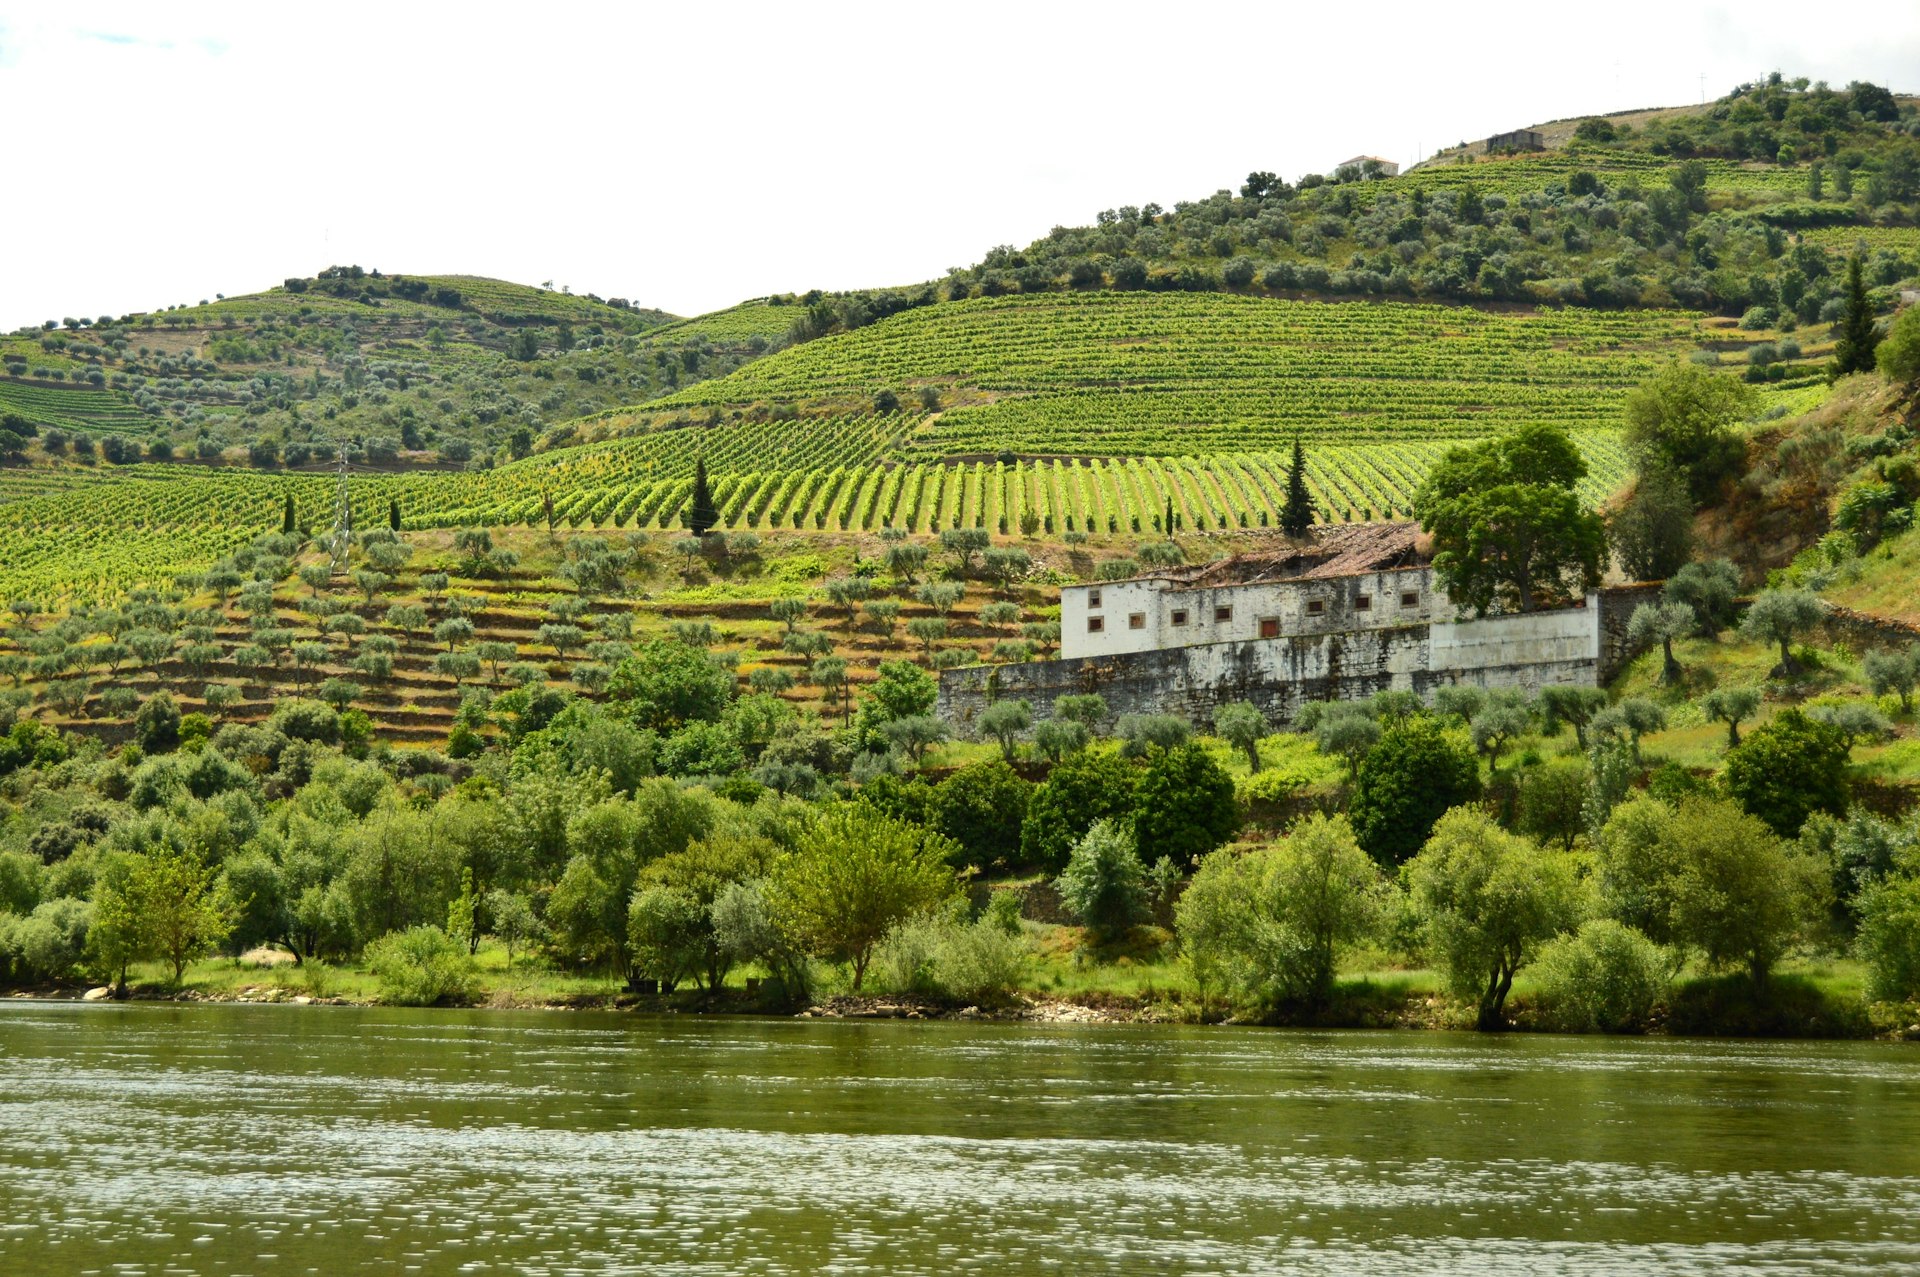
[[1652, 530], [1605, 977], [1488, 900], [1781, 616], [1683, 421], [1242, 725], [1706, 877], [1854, 350], [1709, 589], [982, 807], [1184, 806], [851, 876], [1081, 790], [1507, 527], [1787, 769], [665, 685], [1104, 884], [1415, 773], [421, 966], [1269, 925], [1898, 355]]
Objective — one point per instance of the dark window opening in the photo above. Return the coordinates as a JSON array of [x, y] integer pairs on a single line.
[[1269, 627], [1222, 614], [1410, 599], [1315, 607], [1095, 624], [1179, 616]]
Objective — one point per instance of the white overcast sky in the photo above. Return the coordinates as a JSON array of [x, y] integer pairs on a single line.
[[691, 155]]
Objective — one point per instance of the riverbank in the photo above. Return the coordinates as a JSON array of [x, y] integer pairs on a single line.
[[1811, 1001]]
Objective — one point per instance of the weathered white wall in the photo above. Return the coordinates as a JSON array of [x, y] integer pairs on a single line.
[[1536, 638], [1279, 675], [1156, 601]]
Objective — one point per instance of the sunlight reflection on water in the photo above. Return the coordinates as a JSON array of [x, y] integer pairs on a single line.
[[251, 1140]]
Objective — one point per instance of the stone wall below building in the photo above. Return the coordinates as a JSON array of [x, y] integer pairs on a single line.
[[1540, 649]]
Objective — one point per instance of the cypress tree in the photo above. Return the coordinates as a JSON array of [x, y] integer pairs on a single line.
[[1296, 514], [393, 513], [286, 514], [703, 515], [1854, 351]]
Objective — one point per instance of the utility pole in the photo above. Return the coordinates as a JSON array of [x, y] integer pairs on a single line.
[[1703, 88]]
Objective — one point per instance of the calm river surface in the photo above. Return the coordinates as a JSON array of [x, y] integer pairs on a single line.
[[227, 1139]]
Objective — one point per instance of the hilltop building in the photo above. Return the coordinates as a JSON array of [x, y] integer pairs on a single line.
[[1384, 168], [1518, 140], [1356, 611]]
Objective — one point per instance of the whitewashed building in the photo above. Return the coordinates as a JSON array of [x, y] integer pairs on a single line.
[[1356, 611]]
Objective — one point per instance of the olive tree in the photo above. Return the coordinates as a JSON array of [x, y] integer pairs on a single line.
[[1488, 900]]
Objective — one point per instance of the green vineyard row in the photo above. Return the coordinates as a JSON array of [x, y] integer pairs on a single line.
[[90, 540]]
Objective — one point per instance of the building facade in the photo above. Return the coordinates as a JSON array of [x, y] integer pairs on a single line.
[[1357, 612]]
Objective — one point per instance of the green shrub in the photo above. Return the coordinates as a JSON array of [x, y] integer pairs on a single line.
[[421, 966], [1606, 976], [1889, 941], [1104, 884]]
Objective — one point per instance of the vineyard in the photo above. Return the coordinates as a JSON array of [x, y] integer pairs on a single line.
[[94, 411], [1168, 374], [87, 536], [736, 324], [1518, 174]]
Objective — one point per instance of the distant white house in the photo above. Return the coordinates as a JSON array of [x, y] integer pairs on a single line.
[[1386, 168]]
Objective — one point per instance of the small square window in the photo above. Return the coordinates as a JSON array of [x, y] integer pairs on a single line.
[[1095, 624], [1093, 598], [1364, 603], [1179, 616], [1410, 598], [1315, 607], [1269, 627], [1221, 615], [1136, 620]]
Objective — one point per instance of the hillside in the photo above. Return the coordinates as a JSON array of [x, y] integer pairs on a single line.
[[1704, 210], [397, 368]]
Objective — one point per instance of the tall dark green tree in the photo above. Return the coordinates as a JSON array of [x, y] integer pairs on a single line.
[[1508, 529], [286, 514], [703, 515], [1854, 351], [393, 513], [1296, 513]]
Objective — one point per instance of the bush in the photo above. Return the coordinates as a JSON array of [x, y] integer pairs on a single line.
[[1415, 773], [1889, 940], [1606, 976], [937, 955], [1081, 789], [48, 943], [421, 966], [1270, 924], [1104, 884]]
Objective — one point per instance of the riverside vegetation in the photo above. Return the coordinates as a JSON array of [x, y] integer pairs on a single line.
[[642, 699]]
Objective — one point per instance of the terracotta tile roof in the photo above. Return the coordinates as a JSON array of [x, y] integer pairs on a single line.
[[1346, 549]]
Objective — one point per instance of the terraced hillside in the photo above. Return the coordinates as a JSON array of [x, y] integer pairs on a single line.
[[1166, 374]]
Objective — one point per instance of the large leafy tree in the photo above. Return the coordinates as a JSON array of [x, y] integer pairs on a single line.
[[1508, 528], [853, 875], [665, 685], [1683, 420], [1788, 769], [1082, 788], [1406, 781], [1186, 805], [1489, 900]]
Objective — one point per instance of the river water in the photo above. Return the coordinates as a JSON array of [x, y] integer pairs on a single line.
[[228, 1139]]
